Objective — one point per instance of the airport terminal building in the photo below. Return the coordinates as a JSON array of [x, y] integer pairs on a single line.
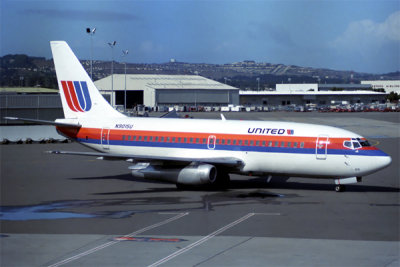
[[388, 86], [312, 94], [167, 90]]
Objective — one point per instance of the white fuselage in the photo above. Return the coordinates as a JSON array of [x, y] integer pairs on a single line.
[[293, 149]]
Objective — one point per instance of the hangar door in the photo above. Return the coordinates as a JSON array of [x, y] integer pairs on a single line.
[[191, 96], [133, 98]]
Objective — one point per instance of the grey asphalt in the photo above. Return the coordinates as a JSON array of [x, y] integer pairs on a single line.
[[66, 210]]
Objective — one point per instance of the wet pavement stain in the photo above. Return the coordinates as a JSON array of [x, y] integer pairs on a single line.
[[40, 212]]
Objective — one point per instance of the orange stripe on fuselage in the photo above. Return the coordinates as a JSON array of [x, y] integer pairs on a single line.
[[116, 134]]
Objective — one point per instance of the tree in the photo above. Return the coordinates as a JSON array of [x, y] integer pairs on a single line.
[[393, 97]]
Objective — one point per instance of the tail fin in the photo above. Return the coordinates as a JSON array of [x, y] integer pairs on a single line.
[[79, 96]]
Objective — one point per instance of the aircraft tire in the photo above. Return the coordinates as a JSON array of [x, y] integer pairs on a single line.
[[340, 188]]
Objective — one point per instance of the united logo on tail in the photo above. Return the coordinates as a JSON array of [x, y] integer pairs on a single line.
[[77, 95]]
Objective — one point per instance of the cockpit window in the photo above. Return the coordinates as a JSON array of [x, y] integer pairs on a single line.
[[364, 143], [348, 144], [353, 144], [356, 144]]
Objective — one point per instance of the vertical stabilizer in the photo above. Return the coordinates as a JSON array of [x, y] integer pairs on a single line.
[[80, 97]]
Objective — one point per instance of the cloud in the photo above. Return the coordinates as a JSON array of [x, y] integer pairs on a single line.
[[81, 14], [369, 33]]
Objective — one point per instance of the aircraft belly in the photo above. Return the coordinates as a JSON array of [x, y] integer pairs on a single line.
[[305, 165], [291, 164]]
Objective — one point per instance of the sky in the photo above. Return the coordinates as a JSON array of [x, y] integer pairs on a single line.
[[357, 35]]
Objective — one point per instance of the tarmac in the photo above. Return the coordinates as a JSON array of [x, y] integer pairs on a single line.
[[68, 211]]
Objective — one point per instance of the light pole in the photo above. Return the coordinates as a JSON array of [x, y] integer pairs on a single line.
[[124, 54], [258, 84], [112, 71], [91, 33]]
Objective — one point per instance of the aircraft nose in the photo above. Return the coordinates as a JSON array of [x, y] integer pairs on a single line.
[[382, 162]]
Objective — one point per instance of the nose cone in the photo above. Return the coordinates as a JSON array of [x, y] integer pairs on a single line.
[[381, 162], [385, 161]]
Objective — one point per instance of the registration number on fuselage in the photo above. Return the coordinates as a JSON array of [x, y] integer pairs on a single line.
[[123, 126]]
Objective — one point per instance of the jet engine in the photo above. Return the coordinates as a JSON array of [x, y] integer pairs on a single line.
[[189, 175]]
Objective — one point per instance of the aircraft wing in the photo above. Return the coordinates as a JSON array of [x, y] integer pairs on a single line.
[[230, 162], [54, 123]]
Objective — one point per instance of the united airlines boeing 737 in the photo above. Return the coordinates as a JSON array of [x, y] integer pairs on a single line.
[[200, 152]]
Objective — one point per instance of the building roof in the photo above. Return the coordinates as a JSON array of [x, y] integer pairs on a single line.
[[143, 81], [275, 93], [27, 90], [344, 86]]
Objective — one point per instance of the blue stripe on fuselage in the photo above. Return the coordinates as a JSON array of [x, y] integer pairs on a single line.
[[243, 148]]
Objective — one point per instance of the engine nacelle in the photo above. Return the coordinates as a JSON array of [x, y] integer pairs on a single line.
[[189, 175]]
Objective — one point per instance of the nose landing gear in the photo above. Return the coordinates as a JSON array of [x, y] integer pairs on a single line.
[[340, 188], [341, 182]]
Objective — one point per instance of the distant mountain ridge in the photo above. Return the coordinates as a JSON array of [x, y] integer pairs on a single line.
[[23, 70]]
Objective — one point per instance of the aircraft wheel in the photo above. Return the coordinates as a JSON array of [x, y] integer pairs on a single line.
[[340, 188]]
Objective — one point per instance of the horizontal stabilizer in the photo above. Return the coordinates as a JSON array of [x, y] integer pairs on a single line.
[[43, 122]]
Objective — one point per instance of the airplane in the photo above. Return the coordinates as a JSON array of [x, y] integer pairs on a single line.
[[192, 152]]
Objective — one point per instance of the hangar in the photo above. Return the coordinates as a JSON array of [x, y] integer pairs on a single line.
[[166, 90]]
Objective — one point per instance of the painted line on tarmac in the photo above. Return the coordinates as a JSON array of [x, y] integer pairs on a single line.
[[105, 245], [201, 241]]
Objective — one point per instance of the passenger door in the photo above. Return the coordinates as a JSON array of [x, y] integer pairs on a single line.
[[321, 147], [105, 138]]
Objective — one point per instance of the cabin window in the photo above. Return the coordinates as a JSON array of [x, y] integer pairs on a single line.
[[145, 138], [162, 139], [270, 143], [251, 142], [257, 143], [129, 138], [295, 144], [197, 140], [246, 142], [240, 142], [282, 144], [289, 144], [123, 137], [222, 141], [156, 139], [301, 144], [139, 138], [263, 143], [276, 144], [191, 140], [234, 142]]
